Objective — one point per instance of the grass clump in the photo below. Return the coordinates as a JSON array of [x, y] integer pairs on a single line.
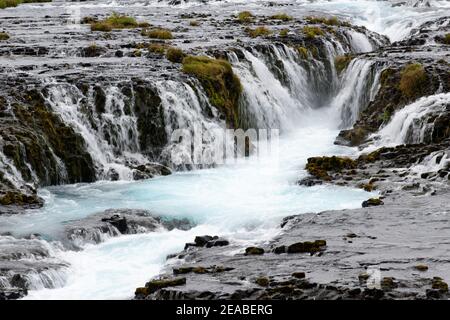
[[281, 16], [4, 36], [258, 32], [284, 33], [158, 33], [114, 21], [221, 85], [303, 52], [245, 17], [156, 48], [341, 62], [175, 55], [312, 32], [14, 3], [413, 78], [333, 21], [447, 38]]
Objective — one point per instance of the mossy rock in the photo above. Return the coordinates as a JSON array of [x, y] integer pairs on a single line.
[[221, 85], [157, 33], [372, 202], [307, 247], [254, 251], [320, 167], [439, 284], [154, 285], [341, 62], [262, 281], [114, 21], [413, 79], [312, 31], [175, 55], [281, 16], [4, 36]]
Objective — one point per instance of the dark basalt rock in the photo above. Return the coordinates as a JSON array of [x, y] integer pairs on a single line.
[[12, 294], [307, 247], [373, 202]]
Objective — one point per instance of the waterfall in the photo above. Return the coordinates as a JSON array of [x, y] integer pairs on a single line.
[[359, 85], [415, 122]]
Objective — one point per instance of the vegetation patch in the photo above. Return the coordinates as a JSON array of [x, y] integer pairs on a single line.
[[312, 32], [258, 32], [157, 48], [158, 33], [245, 17], [4, 36], [175, 55], [332, 21], [114, 21], [284, 33], [413, 78], [281, 16], [194, 23], [303, 52], [319, 167], [14, 3], [341, 62], [221, 85], [447, 38]]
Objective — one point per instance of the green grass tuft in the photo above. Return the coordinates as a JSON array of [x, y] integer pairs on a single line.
[[175, 55], [281, 16], [341, 62], [258, 32], [312, 32], [157, 33], [245, 17], [413, 78], [114, 21], [4, 36]]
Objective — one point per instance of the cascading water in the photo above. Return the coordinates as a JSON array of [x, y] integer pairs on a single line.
[[413, 123], [243, 201]]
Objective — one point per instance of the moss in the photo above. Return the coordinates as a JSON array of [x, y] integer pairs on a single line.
[[137, 53], [258, 32], [18, 198], [421, 267], [321, 166], [447, 39], [222, 86], [341, 62], [372, 202], [245, 17], [333, 21], [262, 281], [312, 32], [157, 48], [281, 16], [254, 251], [439, 284], [303, 52], [369, 187], [413, 78], [154, 285], [194, 23], [386, 116], [144, 25], [158, 33], [14, 3], [284, 33], [114, 21], [4, 36], [175, 55]]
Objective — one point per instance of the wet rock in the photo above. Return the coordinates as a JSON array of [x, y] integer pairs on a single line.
[[307, 247], [421, 267], [154, 285], [254, 251], [439, 284], [262, 281], [373, 202], [220, 242], [12, 294], [388, 283], [299, 275], [279, 250], [201, 241]]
